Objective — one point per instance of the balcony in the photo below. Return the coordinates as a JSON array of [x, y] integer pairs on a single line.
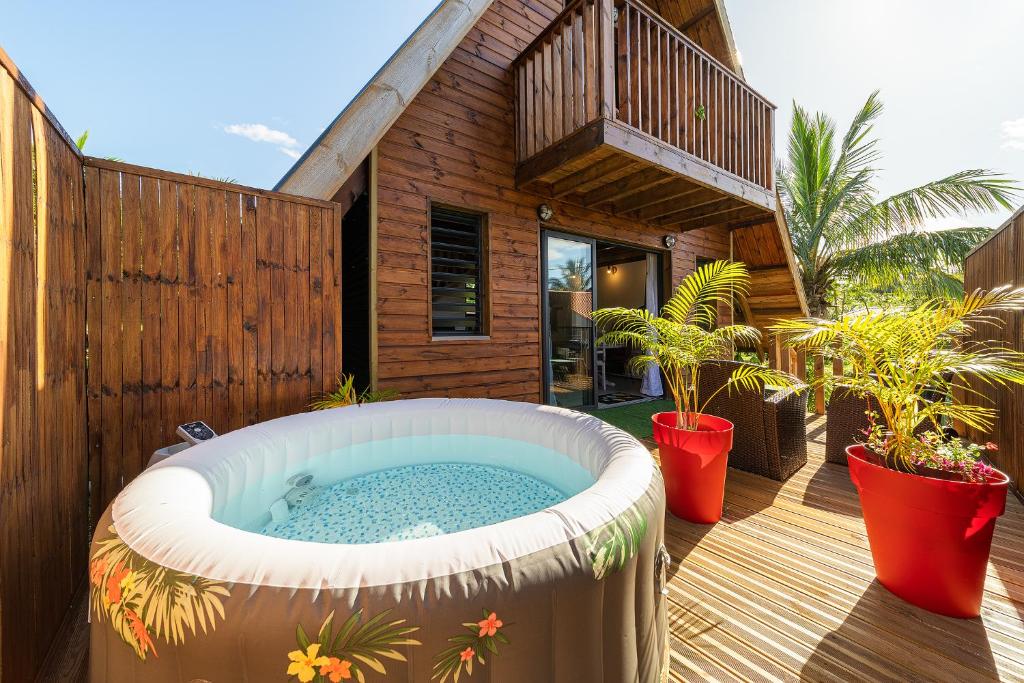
[[616, 109]]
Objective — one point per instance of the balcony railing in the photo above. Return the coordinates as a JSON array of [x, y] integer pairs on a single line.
[[618, 60]]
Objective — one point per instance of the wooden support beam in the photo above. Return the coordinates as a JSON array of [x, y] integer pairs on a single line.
[[697, 18], [628, 140], [581, 143], [702, 197], [709, 220], [623, 187], [594, 172], [712, 202], [672, 191]]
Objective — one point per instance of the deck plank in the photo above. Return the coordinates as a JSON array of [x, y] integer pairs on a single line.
[[783, 589]]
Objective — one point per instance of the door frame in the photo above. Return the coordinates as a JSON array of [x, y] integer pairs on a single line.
[[663, 282], [545, 332]]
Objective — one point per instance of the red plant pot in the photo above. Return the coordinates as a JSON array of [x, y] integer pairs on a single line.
[[693, 464], [930, 537]]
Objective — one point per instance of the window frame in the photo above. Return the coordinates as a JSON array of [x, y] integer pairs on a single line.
[[483, 292]]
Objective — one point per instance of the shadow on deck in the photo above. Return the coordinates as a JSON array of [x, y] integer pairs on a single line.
[[783, 589]]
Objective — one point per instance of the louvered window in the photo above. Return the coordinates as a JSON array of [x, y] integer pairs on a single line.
[[456, 273]]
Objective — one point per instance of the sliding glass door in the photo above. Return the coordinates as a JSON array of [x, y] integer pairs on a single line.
[[567, 328]]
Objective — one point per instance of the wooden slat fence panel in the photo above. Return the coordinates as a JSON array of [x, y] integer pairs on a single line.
[[998, 262], [207, 301], [43, 475]]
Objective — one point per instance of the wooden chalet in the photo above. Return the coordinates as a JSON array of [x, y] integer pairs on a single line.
[[518, 163]]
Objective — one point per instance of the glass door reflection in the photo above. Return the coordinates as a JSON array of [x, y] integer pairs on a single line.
[[568, 327]]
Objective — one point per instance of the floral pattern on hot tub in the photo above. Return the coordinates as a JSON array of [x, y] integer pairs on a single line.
[[481, 641], [611, 546], [144, 601], [340, 655]]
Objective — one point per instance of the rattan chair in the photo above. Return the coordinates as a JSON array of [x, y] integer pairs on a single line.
[[769, 436], [845, 421]]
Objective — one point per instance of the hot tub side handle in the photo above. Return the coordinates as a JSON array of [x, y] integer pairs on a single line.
[[662, 561]]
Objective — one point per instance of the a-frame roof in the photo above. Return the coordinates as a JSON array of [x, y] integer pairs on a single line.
[[335, 155]]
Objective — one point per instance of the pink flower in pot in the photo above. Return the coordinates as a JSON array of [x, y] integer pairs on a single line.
[[930, 504]]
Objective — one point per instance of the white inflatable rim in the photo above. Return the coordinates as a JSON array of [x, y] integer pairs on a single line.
[[167, 513]]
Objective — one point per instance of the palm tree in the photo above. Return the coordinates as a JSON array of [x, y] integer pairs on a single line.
[[685, 336], [842, 232]]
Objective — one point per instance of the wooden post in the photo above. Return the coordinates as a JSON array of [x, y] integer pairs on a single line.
[[819, 390], [606, 51], [837, 366], [801, 365], [794, 366]]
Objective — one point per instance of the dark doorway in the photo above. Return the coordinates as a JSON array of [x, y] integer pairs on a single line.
[[355, 292]]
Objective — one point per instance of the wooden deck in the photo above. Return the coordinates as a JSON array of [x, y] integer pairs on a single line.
[[783, 589]]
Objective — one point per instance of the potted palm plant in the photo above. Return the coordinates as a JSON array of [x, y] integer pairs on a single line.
[[693, 446], [930, 503]]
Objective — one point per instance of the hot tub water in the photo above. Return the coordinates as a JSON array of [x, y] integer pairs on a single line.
[[425, 486], [415, 501]]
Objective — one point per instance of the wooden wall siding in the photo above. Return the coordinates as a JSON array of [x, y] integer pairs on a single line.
[[645, 73], [998, 262], [774, 294], [43, 486], [454, 144], [205, 301]]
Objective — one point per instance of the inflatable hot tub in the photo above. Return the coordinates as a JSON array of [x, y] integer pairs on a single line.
[[414, 540]]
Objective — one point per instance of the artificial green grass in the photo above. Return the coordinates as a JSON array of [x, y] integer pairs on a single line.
[[634, 418]]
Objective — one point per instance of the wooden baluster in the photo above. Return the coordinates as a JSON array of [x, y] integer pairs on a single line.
[[677, 76], [557, 132], [635, 90], [688, 104], [659, 83], [666, 60], [580, 68], [648, 77], [606, 58], [624, 77], [717, 116], [531, 106], [568, 123], [590, 71]]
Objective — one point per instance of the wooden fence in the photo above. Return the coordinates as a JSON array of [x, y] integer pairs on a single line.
[[132, 300], [43, 486], [206, 300], [994, 263]]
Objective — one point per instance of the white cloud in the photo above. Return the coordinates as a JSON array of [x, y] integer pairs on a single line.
[[1013, 134], [258, 132]]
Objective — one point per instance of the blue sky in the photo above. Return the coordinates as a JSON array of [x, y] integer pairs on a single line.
[[237, 89]]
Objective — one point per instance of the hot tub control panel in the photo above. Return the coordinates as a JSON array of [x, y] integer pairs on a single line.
[[195, 432]]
